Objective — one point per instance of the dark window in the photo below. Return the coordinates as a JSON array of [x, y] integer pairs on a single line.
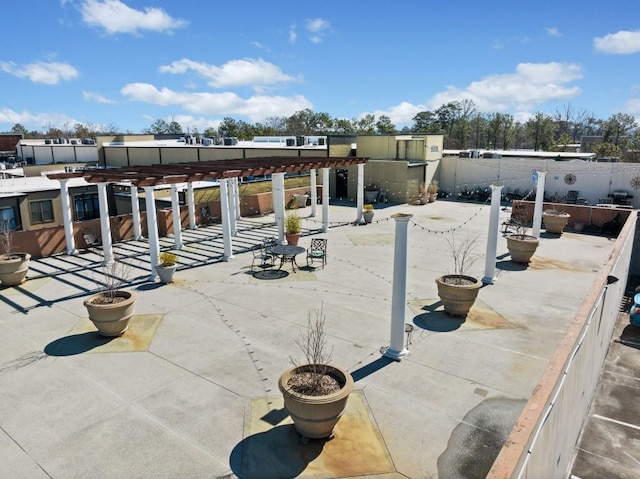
[[86, 206], [8, 215], [41, 211]]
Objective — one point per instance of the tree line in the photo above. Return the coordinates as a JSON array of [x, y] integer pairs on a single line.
[[460, 122]]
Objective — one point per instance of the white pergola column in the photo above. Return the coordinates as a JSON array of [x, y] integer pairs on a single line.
[[537, 210], [232, 206], [314, 192], [192, 207], [325, 199], [278, 203], [67, 218], [105, 225], [224, 212], [152, 230], [492, 236], [135, 213], [360, 193], [177, 220], [236, 197], [397, 349]]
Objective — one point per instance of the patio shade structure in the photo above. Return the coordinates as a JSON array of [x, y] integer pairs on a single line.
[[150, 176]]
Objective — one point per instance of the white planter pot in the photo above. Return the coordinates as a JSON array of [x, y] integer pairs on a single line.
[[165, 273]]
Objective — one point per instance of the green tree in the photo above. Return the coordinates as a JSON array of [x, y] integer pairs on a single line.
[[384, 125], [605, 149], [18, 129], [366, 125], [175, 128], [343, 126], [540, 129], [158, 127], [425, 122]]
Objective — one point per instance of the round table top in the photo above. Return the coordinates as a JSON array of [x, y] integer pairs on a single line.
[[287, 249]]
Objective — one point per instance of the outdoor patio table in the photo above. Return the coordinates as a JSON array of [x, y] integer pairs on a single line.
[[287, 253]]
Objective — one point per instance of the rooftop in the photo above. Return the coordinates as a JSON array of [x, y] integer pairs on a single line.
[[191, 389]]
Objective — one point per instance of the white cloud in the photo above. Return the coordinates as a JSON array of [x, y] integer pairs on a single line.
[[247, 71], [532, 84], [620, 43], [317, 25], [632, 107], [553, 31], [256, 108], [401, 114], [189, 122], [49, 73], [293, 35], [11, 117], [318, 28], [115, 16], [97, 98]]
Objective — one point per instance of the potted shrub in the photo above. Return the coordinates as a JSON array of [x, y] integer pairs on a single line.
[[521, 245], [111, 309], [555, 221], [315, 393], [166, 267], [367, 213], [432, 191], [292, 228], [458, 291], [13, 266]]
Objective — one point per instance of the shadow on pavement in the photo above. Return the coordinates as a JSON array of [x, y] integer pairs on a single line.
[[76, 344]]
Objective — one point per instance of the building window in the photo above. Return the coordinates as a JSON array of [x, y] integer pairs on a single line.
[[41, 211], [86, 206], [8, 214], [434, 149]]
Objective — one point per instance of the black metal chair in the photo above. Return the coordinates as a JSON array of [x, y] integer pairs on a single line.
[[266, 260], [317, 251]]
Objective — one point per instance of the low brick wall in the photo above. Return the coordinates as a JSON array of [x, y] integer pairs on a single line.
[[590, 215]]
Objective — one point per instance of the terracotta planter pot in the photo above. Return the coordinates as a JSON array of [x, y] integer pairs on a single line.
[[14, 270], [165, 273], [111, 319], [522, 247], [316, 416], [432, 197], [457, 299], [555, 222], [292, 238]]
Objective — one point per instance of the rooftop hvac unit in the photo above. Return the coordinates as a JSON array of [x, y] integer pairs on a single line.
[[321, 141], [299, 140], [231, 141], [47, 141], [291, 142]]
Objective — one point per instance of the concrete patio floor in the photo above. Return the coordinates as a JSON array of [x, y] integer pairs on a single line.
[[191, 390]]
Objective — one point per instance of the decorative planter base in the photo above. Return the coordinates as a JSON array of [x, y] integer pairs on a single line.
[[457, 299], [522, 247], [316, 416], [14, 270], [111, 319]]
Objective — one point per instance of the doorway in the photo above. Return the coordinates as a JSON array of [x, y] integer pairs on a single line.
[[342, 183]]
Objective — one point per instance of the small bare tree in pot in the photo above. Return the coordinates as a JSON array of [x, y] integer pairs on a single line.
[[315, 393], [458, 291], [13, 266], [111, 309], [521, 245]]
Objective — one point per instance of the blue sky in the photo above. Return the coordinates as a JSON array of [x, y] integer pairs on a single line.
[[130, 62]]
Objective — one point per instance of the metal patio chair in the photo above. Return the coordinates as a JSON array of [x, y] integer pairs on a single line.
[[317, 251]]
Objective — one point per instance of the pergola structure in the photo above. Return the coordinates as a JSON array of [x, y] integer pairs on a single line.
[[227, 172]]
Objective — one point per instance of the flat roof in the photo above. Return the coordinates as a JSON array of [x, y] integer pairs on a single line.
[[191, 390]]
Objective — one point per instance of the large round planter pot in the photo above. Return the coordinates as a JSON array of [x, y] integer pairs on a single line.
[[457, 293], [292, 238], [371, 196], [368, 216], [13, 270], [555, 222], [522, 247], [165, 273], [301, 200], [315, 416], [111, 319]]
